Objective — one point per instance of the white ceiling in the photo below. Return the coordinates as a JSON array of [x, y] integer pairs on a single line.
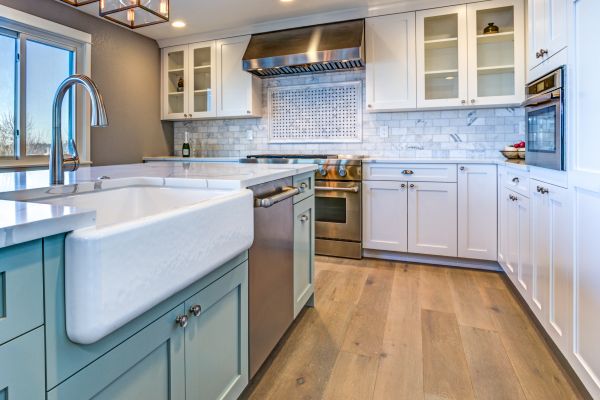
[[203, 16]]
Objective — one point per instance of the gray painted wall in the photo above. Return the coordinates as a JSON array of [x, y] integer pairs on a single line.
[[126, 68]]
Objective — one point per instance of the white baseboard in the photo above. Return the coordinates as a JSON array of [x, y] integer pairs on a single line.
[[435, 260]]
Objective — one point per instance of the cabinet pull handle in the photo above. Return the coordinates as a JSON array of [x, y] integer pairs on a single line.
[[463, 102], [182, 320], [303, 218], [370, 106], [472, 101], [408, 172], [303, 186], [195, 310], [515, 180], [543, 52], [542, 190]]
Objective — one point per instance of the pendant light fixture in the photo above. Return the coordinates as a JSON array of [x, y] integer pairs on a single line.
[[135, 13], [78, 3]]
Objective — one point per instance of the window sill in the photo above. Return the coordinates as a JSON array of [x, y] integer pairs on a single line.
[[29, 164]]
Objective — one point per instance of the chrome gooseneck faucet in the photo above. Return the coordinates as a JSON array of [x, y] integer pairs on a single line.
[[99, 119]]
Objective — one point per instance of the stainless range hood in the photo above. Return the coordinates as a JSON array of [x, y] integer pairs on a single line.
[[316, 48]]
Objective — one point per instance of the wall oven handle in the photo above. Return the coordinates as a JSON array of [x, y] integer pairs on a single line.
[[352, 189], [267, 202]]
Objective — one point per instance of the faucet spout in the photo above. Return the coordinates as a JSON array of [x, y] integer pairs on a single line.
[[98, 119]]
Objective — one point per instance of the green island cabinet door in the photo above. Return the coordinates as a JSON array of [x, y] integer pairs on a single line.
[[149, 366], [216, 339], [22, 367], [304, 250], [21, 289]]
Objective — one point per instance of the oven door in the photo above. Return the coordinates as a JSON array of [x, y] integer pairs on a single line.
[[545, 141], [337, 210]]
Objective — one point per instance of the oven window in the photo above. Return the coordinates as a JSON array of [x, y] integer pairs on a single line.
[[542, 130], [330, 209]]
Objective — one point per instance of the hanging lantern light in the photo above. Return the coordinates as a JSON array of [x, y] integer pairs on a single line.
[[135, 13], [78, 3]]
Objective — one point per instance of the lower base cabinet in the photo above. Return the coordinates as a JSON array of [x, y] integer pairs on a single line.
[[198, 350], [518, 248], [22, 374], [304, 250]]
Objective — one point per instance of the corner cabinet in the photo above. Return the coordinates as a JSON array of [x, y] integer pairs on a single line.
[[391, 76], [459, 65], [206, 80]]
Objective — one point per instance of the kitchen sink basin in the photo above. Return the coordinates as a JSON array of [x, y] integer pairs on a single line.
[[149, 242]]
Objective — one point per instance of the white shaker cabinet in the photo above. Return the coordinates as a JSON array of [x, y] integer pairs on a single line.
[[391, 78], [551, 294], [432, 218], [239, 92], [518, 248], [584, 182], [442, 57], [547, 29], [477, 212], [385, 208], [175, 73], [496, 60]]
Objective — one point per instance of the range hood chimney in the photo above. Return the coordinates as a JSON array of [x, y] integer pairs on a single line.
[[318, 48]]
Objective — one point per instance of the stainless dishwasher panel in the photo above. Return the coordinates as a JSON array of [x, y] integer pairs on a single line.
[[271, 270]]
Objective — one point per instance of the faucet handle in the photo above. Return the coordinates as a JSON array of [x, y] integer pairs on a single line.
[[72, 162]]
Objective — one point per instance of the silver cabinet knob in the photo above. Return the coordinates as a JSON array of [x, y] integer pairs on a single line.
[[472, 101], [248, 112], [303, 186], [463, 102], [403, 186], [303, 218], [182, 320], [412, 185], [462, 168], [342, 172], [322, 171], [195, 310], [408, 172], [370, 106]]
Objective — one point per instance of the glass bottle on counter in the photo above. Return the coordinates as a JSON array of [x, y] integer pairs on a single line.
[[186, 150]]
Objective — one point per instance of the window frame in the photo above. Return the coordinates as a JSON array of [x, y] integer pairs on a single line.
[[29, 27]]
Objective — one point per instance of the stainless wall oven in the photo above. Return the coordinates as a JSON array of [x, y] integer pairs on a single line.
[[338, 216], [544, 109]]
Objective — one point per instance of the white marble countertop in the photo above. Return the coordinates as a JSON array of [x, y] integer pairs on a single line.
[[22, 221], [193, 159]]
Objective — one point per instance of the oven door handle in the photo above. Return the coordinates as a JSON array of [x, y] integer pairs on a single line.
[[277, 198], [545, 98], [352, 189]]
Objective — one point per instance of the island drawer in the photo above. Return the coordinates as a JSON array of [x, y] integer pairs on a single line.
[[307, 183], [21, 289], [410, 172]]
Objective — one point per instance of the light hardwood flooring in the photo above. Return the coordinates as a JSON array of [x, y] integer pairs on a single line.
[[386, 330]]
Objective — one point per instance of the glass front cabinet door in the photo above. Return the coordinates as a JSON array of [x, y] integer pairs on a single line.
[[496, 52], [175, 103], [442, 57]]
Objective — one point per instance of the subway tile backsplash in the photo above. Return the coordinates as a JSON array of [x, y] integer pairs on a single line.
[[464, 133]]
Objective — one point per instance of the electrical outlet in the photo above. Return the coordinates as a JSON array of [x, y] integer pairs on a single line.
[[384, 131]]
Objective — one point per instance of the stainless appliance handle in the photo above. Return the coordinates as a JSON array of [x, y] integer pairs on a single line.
[[267, 202], [553, 96], [352, 189]]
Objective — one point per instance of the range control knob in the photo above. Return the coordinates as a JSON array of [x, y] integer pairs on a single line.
[[342, 172], [322, 171]]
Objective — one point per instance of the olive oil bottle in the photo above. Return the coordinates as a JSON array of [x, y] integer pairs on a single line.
[[186, 150]]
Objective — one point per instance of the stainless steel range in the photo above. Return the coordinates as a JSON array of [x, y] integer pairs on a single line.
[[338, 200]]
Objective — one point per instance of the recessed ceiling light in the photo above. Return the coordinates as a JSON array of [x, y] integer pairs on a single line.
[[178, 24], [286, 1]]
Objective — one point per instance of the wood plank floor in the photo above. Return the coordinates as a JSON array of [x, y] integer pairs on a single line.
[[387, 330]]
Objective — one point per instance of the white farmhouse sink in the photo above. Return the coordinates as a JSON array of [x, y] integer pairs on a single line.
[[149, 243]]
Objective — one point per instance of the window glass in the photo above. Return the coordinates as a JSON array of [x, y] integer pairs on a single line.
[[47, 67], [8, 50]]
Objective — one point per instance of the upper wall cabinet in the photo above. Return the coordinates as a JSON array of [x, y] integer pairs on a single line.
[[206, 80], [471, 55], [547, 30], [496, 62], [442, 57], [391, 69]]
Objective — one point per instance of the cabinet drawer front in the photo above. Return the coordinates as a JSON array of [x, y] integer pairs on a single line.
[[149, 365], [216, 340], [517, 182], [410, 172], [21, 289], [22, 367], [306, 182]]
